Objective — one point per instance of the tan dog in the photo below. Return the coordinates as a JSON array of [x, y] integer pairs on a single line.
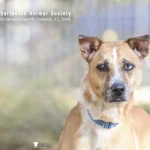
[[104, 118]]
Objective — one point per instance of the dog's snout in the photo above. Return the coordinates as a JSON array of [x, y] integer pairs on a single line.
[[118, 89]]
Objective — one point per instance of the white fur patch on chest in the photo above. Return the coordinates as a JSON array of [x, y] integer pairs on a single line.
[[99, 140]]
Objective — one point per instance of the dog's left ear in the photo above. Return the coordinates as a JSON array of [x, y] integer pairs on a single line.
[[88, 46], [140, 45]]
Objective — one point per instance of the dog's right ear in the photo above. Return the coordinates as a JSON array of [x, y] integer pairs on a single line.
[[89, 46]]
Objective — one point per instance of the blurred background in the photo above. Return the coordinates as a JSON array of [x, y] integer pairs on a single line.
[[41, 66]]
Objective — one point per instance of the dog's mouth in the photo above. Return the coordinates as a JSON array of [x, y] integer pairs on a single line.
[[111, 98], [117, 100]]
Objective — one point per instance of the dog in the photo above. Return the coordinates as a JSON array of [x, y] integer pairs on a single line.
[[104, 117]]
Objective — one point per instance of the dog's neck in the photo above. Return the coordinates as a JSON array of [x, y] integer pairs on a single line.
[[99, 109]]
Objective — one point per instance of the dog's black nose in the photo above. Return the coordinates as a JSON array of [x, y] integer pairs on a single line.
[[118, 89]]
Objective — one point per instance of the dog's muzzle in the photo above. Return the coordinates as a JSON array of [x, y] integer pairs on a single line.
[[116, 93]]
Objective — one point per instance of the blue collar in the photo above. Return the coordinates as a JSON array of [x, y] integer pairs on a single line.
[[106, 125]]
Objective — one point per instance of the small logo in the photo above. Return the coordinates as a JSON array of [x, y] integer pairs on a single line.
[[39, 145], [35, 144]]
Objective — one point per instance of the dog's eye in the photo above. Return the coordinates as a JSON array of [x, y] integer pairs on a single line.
[[102, 67], [128, 67]]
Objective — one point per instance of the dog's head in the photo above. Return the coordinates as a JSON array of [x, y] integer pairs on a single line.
[[114, 67]]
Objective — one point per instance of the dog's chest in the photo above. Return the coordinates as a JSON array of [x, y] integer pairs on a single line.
[[102, 138], [95, 140]]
